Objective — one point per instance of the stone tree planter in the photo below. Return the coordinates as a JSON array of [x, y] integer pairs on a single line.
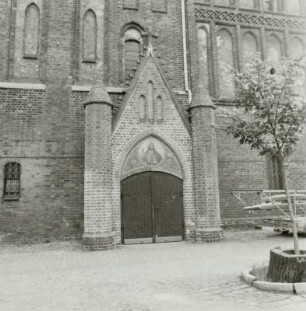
[[286, 267]]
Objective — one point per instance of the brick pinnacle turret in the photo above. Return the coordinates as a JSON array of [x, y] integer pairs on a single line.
[[98, 177], [206, 186]]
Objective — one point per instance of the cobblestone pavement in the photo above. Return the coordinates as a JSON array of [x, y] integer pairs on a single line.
[[161, 277]]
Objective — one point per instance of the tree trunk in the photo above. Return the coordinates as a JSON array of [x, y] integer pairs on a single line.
[[287, 268], [283, 172]]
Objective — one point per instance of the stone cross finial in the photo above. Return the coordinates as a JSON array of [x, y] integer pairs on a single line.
[[150, 35], [150, 48]]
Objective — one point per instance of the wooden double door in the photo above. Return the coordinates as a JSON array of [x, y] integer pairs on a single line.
[[152, 208]]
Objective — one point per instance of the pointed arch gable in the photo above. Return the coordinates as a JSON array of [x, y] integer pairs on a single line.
[[140, 71]]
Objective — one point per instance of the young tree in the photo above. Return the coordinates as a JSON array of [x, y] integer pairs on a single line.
[[270, 113]]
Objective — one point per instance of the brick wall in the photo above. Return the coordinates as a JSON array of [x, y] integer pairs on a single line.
[[51, 200], [239, 167], [243, 170], [168, 44], [4, 38], [42, 126], [48, 142]]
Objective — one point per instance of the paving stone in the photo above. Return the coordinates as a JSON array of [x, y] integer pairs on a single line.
[[274, 287], [300, 288], [170, 277]]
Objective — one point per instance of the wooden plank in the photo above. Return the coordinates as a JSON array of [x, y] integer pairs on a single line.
[[283, 197]]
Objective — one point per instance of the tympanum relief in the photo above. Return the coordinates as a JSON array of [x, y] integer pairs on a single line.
[[151, 155]]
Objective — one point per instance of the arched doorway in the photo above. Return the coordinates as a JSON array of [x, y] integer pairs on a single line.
[[152, 208]]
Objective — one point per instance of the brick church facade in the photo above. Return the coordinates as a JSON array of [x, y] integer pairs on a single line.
[[110, 117]]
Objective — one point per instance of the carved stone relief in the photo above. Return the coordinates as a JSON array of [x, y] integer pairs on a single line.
[[151, 155]]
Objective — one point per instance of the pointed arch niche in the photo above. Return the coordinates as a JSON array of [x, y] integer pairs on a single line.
[[142, 108], [297, 47], [151, 154], [89, 36], [31, 31], [225, 63], [249, 47], [203, 56], [274, 49], [151, 101], [159, 109]]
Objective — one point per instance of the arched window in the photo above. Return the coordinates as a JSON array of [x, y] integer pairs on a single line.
[[159, 109], [249, 47], [294, 7], [297, 48], [132, 50], [225, 2], [159, 5], [89, 37], [250, 4], [11, 181], [31, 31], [203, 57], [142, 108], [150, 100], [274, 5], [274, 49], [226, 63]]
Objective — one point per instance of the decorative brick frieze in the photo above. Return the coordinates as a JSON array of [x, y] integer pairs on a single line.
[[249, 19]]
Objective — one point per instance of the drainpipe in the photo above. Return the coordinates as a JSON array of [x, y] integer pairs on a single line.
[[187, 89]]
